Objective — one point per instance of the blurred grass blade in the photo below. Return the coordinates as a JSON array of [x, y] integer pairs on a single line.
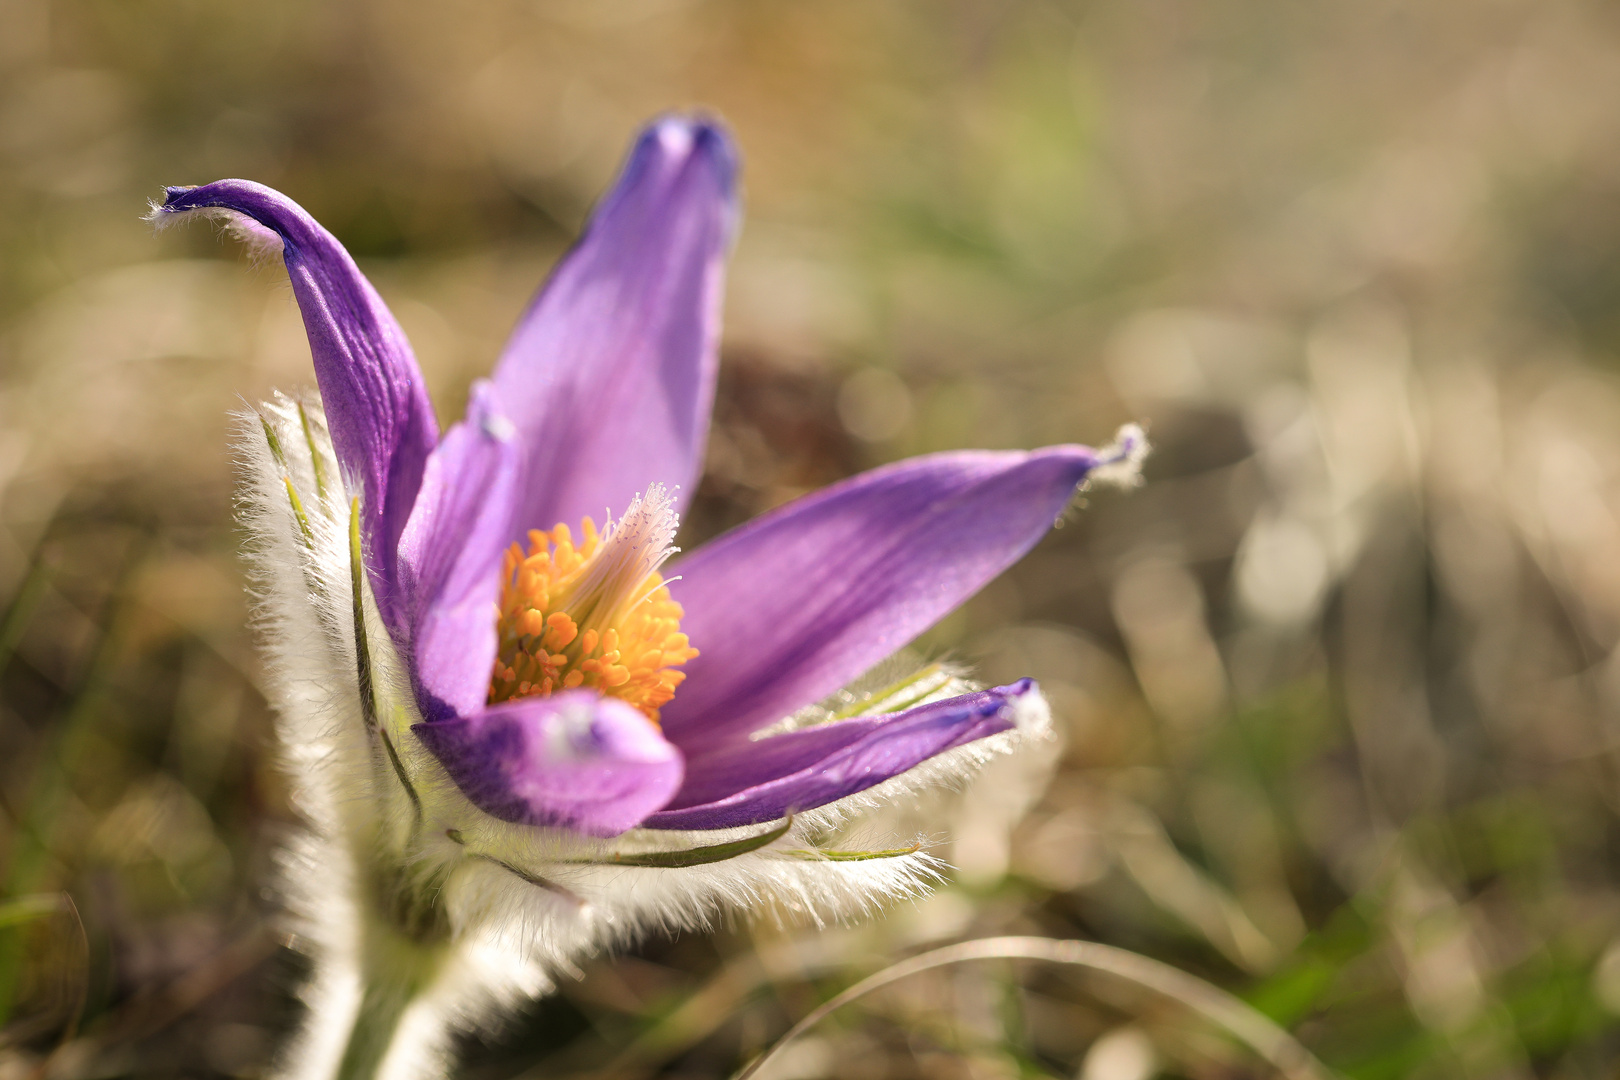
[[21, 609], [74, 973], [1276, 1046], [58, 761], [28, 908]]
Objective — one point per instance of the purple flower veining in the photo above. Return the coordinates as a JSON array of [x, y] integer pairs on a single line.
[[601, 400]]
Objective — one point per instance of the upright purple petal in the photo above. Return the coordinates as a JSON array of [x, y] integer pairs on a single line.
[[750, 782], [376, 405], [450, 556], [795, 604], [573, 761], [610, 375]]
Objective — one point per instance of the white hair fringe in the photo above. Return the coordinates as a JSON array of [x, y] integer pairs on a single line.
[[517, 917]]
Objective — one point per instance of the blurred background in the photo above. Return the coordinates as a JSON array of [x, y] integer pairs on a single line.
[[1338, 691]]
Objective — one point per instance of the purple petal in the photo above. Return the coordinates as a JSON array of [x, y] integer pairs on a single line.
[[572, 761], [450, 556], [376, 405], [795, 604], [750, 782], [610, 375]]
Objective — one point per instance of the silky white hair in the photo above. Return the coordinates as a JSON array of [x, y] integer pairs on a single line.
[[513, 907]]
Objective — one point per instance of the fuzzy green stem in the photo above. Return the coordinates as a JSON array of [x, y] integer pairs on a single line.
[[374, 1027], [404, 945], [381, 1008], [396, 972]]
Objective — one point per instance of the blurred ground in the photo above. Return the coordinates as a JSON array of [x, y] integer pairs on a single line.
[[1339, 691]]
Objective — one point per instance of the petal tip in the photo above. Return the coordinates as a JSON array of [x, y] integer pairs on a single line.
[[677, 141], [574, 761], [1120, 462], [1025, 706], [161, 213], [238, 204], [675, 135]]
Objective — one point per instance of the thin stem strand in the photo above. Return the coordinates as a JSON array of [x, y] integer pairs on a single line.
[[1276, 1046]]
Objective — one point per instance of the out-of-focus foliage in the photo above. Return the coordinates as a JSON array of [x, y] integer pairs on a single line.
[[1338, 688]]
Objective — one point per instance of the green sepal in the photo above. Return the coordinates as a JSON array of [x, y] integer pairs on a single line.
[[298, 512], [277, 452], [27, 908], [362, 651], [367, 679], [314, 453], [532, 879], [404, 781], [883, 696], [691, 856], [818, 855], [274, 440]]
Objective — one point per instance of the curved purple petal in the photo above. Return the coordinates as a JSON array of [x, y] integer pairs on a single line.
[[795, 604], [609, 376], [376, 405], [572, 761], [750, 782], [450, 556]]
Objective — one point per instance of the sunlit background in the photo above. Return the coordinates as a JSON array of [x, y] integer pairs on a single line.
[[1338, 692]]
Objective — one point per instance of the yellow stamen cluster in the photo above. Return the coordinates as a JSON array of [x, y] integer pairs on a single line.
[[584, 615]]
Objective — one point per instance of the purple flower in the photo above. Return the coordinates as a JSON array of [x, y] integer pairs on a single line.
[[601, 402], [512, 739]]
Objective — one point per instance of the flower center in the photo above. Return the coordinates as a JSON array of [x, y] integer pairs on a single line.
[[596, 614]]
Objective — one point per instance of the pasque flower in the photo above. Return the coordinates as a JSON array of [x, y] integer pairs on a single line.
[[515, 737]]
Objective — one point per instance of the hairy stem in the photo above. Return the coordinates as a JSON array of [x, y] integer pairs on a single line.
[[400, 959], [381, 1008]]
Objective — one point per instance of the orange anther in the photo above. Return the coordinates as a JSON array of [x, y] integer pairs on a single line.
[[543, 649], [563, 626]]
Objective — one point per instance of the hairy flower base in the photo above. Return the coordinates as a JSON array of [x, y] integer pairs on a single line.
[[400, 873]]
